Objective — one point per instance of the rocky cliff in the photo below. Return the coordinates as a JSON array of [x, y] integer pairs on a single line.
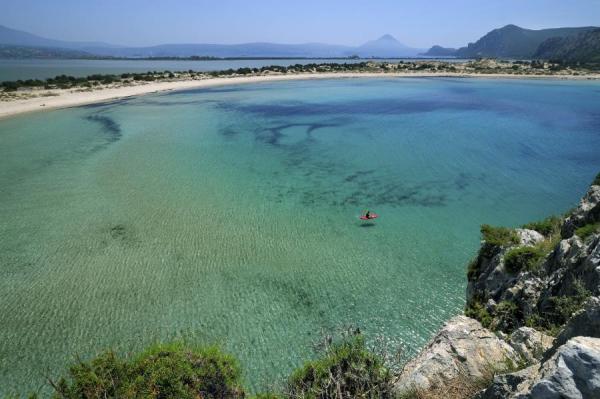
[[531, 327]]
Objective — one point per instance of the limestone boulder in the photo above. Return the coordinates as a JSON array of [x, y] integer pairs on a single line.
[[573, 372], [529, 237], [530, 344], [588, 211], [462, 347]]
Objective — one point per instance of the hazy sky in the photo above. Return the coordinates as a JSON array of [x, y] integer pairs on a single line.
[[415, 23]]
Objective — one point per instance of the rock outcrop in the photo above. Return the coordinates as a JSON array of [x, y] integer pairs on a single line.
[[573, 372], [546, 291], [462, 347], [587, 212], [530, 344], [523, 283], [493, 278]]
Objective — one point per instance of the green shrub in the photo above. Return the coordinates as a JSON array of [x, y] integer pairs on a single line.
[[499, 236], [509, 315], [560, 309], [477, 311], [10, 86], [163, 371], [596, 181], [348, 369], [172, 371], [565, 306], [101, 377], [523, 258], [546, 227], [473, 269], [587, 230]]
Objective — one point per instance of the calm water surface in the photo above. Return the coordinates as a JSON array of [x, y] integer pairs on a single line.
[[229, 215]]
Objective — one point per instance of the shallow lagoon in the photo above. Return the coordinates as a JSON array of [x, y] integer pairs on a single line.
[[229, 214]]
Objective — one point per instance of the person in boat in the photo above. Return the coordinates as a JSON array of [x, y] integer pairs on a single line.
[[367, 214]]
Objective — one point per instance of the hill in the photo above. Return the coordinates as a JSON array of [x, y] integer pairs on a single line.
[[385, 46], [584, 47], [15, 37], [439, 51], [514, 42], [8, 51]]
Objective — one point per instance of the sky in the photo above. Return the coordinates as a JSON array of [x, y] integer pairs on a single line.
[[415, 23]]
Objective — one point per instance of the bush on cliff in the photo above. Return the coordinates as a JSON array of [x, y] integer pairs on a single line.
[[473, 269], [523, 258], [477, 311], [558, 309], [565, 305], [495, 238], [587, 230], [499, 236], [507, 316], [546, 227], [163, 371], [347, 370]]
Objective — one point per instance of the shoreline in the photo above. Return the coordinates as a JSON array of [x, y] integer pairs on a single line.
[[67, 98]]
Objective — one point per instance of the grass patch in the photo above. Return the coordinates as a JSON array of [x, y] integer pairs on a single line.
[[546, 227], [463, 386], [477, 311], [347, 370], [523, 258], [587, 230], [531, 258], [499, 236]]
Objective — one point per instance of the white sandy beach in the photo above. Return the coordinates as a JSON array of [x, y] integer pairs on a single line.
[[70, 97]]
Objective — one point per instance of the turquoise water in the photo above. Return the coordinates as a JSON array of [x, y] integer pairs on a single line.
[[229, 214]]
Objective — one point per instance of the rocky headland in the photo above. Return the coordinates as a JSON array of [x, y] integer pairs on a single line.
[[531, 327]]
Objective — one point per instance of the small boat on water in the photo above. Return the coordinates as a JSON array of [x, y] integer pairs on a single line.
[[369, 216]]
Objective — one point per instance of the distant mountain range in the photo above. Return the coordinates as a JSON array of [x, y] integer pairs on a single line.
[[514, 42], [385, 46], [509, 42]]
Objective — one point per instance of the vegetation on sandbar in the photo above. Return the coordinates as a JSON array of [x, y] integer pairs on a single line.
[[484, 66]]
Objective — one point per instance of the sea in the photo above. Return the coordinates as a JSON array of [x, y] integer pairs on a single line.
[[230, 215]]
